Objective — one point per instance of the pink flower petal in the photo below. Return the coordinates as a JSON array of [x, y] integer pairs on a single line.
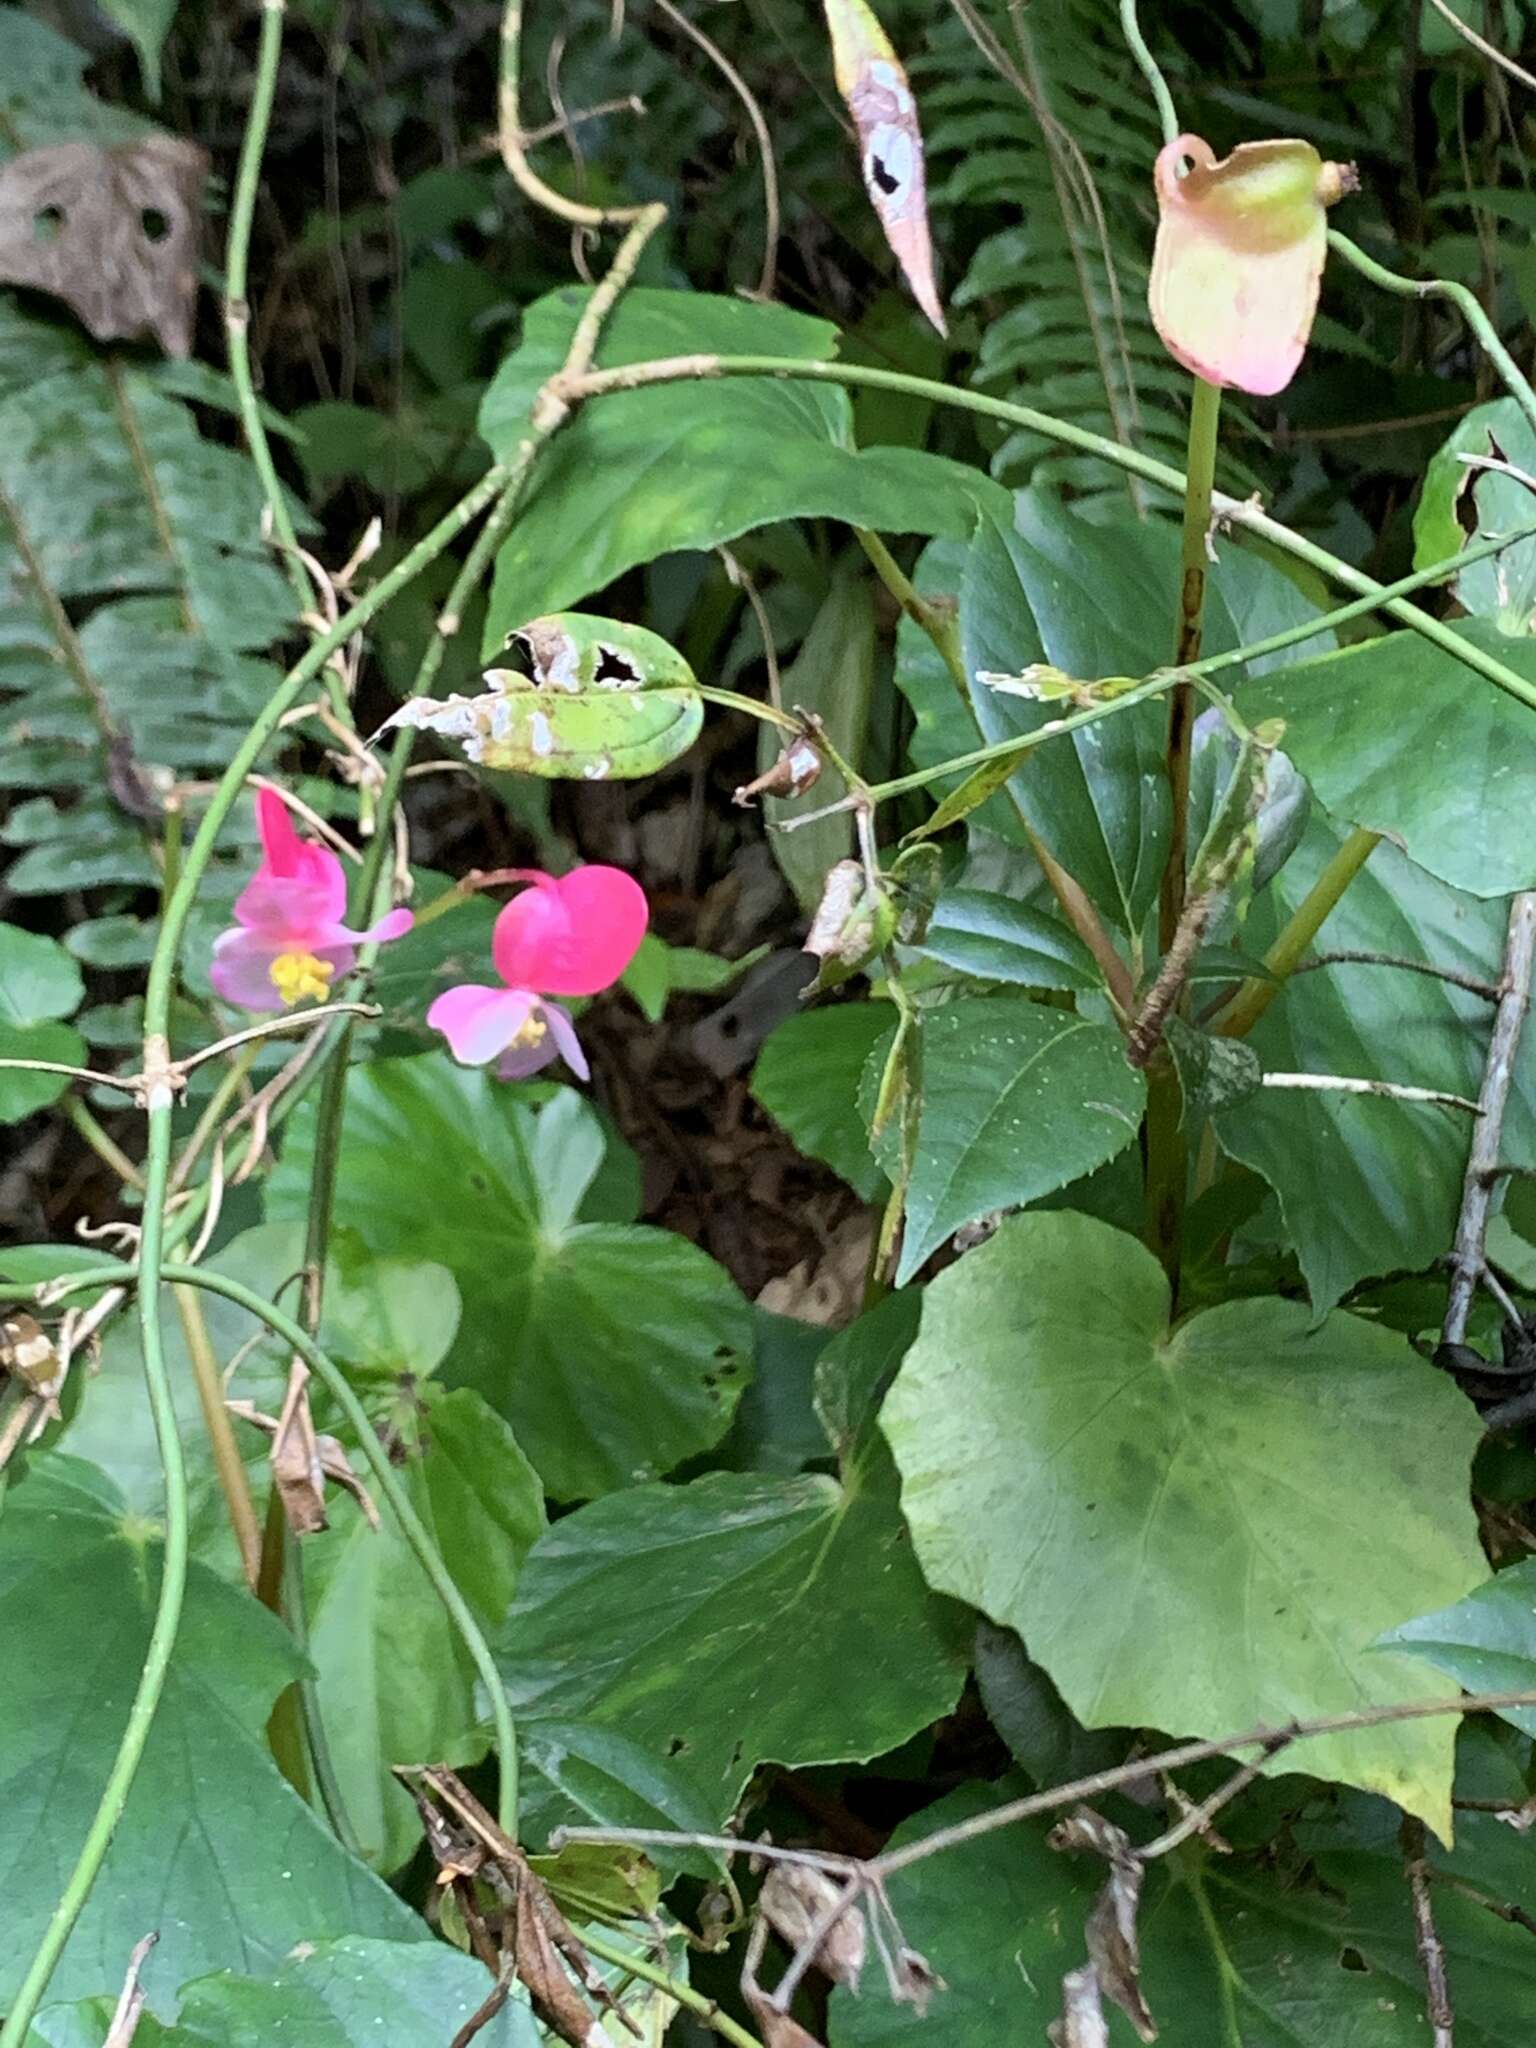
[[394, 924], [479, 1022], [562, 1035], [1239, 257], [573, 936], [298, 886], [241, 970]]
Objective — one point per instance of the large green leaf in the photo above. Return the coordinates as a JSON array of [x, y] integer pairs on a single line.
[[395, 1682], [614, 1351], [39, 984], [691, 464], [742, 1618], [215, 1851], [1369, 1185], [1398, 736], [352, 1993], [1486, 1642], [807, 1078], [1046, 585], [1017, 1100], [1109, 1488], [1231, 1952]]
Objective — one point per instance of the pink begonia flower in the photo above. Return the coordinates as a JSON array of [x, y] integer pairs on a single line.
[[1239, 257], [569, 937], [288, 940]]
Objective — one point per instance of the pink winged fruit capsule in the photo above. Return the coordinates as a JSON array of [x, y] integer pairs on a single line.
[[1240, 247], [874, 85]]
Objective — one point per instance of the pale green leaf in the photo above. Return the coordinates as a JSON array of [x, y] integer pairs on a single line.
[[1108, 1487]]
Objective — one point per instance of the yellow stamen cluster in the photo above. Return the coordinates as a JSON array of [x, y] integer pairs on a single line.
[[531, 1031], [298, 975]]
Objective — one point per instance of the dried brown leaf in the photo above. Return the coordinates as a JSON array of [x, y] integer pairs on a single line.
[[1113, 1948], [794, 1898], [112, 232]]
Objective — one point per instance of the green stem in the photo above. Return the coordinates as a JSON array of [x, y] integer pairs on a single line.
[[940, 622], [652, 1973], [162, 1639], [1212, 664], [227, 1461], [1136, 42], [1301, 928], [1236, 513], [1467, 303], [1194, 565], [101, 1142], [237, 311], [392, 1488], [1166, 1139]]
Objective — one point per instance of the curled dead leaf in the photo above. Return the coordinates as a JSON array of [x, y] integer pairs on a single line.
[[794, 1898]]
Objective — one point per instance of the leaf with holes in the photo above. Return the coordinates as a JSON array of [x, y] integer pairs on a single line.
[[604, 700]]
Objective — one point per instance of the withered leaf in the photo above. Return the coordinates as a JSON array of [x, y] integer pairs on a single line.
[[1113, 1948], [1082, 2023], [27, 1352], [794, 1897], [112, 232]]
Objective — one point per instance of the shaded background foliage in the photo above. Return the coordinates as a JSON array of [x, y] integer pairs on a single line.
[[740, 1610]]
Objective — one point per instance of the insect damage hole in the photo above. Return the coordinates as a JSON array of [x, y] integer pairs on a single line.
[[614, 670], [48, 224], [155, 224]]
